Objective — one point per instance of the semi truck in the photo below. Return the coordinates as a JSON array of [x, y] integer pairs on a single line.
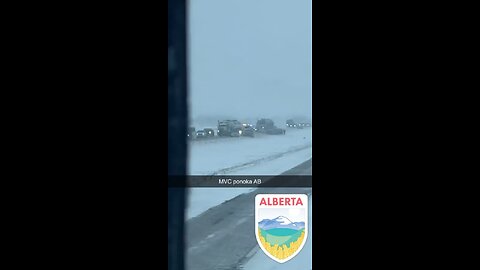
[[230, 128]]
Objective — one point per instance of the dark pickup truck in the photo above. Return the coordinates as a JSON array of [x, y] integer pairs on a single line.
[[268, 127]]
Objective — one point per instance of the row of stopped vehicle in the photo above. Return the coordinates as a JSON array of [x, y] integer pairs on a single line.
[[293, 124], [202, 133], [234, 128]]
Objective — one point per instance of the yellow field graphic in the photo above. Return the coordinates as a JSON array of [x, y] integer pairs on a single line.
[[281, 252]]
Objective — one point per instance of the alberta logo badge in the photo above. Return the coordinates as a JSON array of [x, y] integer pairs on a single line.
[[281, 224]]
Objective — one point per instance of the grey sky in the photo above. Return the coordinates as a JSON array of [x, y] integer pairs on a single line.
[[250, 58]]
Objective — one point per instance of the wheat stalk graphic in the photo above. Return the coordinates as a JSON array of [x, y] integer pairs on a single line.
[[281, 252]]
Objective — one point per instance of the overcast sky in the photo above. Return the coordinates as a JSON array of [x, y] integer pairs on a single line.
[[250, 58]]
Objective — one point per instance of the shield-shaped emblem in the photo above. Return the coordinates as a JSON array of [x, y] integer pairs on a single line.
[[281, 224]]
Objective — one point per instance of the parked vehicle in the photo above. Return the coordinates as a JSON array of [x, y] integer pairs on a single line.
[[268, 127], [248, 131], [209, 132], [201, 134], [191, 133], [291, 123]]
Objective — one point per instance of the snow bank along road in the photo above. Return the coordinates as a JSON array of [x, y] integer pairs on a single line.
[[201, 199], [223, 237]]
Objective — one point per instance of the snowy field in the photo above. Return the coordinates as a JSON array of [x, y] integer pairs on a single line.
[[244, 155], [202, 199], [262, 155]]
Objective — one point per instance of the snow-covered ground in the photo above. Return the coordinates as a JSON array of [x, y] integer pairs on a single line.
[[201, 199], [244, 155], [263, 155]]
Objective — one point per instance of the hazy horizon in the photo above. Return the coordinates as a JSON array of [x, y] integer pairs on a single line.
[[250, 59]]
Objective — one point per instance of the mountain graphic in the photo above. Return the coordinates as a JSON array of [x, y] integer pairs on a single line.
[[280, 222]]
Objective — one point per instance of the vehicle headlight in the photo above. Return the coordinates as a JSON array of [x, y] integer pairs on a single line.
[[240, 132]]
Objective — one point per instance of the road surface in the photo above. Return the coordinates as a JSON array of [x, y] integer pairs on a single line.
[[224, 238]]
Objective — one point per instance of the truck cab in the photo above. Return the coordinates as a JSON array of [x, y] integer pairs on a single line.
[[230, 128], [191, 133]]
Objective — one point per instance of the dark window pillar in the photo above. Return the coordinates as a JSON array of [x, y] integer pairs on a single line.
[[177, 129]]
